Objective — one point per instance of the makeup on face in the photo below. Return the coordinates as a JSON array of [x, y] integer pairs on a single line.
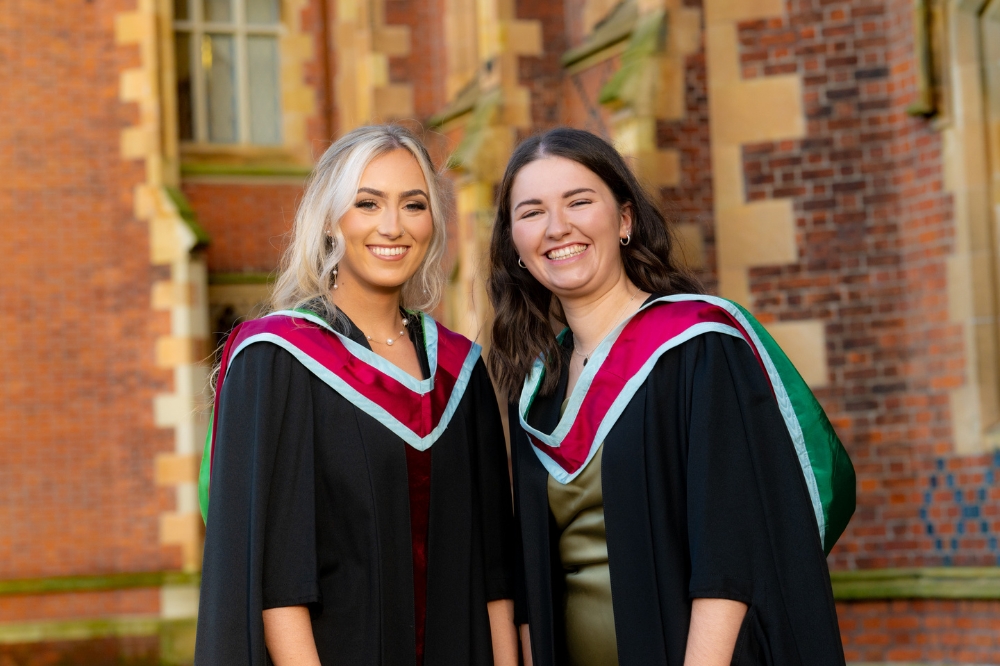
[[388, 230], [567, 225]]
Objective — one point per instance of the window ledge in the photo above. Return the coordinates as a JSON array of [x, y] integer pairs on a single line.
[[917, 583], [242, 160]]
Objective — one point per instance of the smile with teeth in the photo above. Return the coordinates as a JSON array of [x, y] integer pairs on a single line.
[[566, 252], [388, 250]]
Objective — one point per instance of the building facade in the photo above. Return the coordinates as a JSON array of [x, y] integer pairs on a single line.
[[834, 165]]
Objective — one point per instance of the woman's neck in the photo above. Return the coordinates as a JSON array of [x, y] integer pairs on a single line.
[[376, 313], [593, 316]]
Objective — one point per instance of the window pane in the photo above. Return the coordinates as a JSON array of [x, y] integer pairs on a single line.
[[217, 58], [265, 100], [218, 10], [185, 107], [262, 11], [181, 12]]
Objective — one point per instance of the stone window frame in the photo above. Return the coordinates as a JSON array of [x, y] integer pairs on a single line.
[[956, 57], [288, 162]]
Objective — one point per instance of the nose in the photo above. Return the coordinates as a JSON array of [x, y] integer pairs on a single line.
[[557, 226], [390, 225]]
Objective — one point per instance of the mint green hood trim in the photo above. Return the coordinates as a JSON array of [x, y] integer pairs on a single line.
[[826, 467]]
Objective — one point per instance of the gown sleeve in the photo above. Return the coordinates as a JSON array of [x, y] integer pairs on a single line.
[[752, 534], [494, 489], [260, 539]]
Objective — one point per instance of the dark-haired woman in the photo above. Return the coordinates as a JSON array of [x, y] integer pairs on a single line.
[[675, 481]]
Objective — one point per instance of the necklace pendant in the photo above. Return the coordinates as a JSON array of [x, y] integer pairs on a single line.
[[389, 341], [585, 359]]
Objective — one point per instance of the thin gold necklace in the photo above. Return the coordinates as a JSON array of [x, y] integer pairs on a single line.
[[586, 357]]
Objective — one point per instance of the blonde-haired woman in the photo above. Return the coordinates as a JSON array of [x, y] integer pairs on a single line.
[[360, 504]]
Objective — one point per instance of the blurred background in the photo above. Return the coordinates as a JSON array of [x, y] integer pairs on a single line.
[[832, 164]]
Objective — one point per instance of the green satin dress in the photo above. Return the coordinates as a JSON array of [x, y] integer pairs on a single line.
[[578, 508]]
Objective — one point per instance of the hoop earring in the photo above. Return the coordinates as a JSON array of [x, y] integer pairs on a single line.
[[520, 263], [625, 241]]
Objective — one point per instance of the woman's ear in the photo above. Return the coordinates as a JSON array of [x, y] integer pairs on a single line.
[[625, 220]]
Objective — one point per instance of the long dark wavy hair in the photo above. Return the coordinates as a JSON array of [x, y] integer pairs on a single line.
[[522, 328]]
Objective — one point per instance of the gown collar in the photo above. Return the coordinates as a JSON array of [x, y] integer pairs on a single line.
[[418, 411]]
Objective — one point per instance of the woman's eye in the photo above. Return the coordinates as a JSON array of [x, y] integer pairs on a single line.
[[366, 204], [530, 213], [416, 205], [578, 202]]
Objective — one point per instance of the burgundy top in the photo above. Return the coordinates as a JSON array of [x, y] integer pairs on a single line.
[[418, 472]]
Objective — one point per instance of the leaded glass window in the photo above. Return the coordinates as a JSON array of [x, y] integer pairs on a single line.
[[227, 64]]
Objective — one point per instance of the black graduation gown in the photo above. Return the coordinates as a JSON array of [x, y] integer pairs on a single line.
[[703, 497], [310, 505]]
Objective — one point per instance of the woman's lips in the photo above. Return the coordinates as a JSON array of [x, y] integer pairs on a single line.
[[389, 252], [566, 252]]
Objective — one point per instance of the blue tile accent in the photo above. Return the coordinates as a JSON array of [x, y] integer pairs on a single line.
[[970, 498]]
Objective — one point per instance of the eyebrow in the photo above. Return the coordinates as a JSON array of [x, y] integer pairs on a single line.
[[403, 195], [566, 195]]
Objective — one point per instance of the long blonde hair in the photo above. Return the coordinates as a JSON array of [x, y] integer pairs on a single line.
[[317, 245]]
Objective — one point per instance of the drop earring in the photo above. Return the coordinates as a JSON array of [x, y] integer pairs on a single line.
[[333, 244]]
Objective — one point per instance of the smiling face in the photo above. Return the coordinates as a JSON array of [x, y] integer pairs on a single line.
[[567, 227], [388, 230]]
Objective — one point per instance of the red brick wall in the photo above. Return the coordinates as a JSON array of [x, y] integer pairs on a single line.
[[425, 67], [125, 651], [543, 75], [77, 375], [691, 201], [875, 228], [959, 632], [248, 223], [317, 21]]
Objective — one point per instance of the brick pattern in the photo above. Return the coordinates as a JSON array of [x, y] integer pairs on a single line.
[[952, 632], [78, 605], [691, 201], [543, 75], [959, 515], [125, 651], [319, 73], [874, 230], [424, 67], [77, 374], [248, 223]]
